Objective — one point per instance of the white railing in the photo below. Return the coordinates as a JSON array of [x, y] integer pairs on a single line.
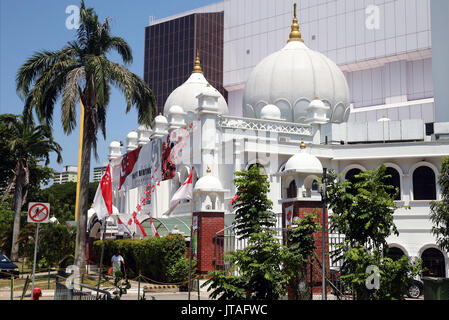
[[230, 122]]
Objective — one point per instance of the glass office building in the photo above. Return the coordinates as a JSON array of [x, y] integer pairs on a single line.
[[170, 50]]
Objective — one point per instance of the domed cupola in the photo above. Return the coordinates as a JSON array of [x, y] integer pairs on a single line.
[[301, 172], [303, 162], [131, 141], [291, 78], [185, 96], [270, 112]]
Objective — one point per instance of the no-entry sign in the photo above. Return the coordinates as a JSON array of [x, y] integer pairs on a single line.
[[38, 212]]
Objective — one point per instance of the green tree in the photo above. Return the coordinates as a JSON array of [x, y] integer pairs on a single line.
[[259, 265], [56, 242], [82, 71], [299, 251], [253, 209], [365, 218], [28, 144], [439, 210], [62, 199]]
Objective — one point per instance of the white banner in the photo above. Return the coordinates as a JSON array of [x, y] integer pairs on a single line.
[[147, 169]]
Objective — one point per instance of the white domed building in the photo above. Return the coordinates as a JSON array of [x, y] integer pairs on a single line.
[[295, 110], [185, 95]]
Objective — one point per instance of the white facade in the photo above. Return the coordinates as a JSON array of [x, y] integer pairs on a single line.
[[388, 69]]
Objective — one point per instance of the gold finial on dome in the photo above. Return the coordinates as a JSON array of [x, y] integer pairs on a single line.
[[208, 170], [197, 65], [302, 146], [295, 35]]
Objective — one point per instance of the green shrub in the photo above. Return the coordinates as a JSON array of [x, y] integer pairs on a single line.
[[160, 259]]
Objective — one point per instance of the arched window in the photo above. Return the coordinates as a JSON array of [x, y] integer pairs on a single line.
[[424, 184], [350, 176], [315, 185], [433, 261], [395, 253], [394, 180], [292, 190]]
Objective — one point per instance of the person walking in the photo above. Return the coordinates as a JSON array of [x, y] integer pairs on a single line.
[[117, 261]]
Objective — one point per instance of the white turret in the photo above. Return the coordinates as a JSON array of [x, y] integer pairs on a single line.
[[115, 150], [176, 117], [160, 126], [144, 133], [131, 141]]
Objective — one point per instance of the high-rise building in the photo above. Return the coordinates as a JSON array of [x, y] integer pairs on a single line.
[[98, 173], [68, 174], [171, 47]]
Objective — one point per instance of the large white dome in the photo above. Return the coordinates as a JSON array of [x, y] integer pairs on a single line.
[[293, 77], [185, 95]]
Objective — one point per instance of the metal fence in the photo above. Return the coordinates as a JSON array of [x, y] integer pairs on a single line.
[[62, 292]]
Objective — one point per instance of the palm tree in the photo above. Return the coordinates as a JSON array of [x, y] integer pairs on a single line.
[[27, 143], [82, 71]]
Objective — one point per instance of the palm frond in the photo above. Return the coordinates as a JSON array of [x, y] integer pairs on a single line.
[[71, 96]]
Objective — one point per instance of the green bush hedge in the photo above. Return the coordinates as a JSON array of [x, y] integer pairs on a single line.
[[160, 259]]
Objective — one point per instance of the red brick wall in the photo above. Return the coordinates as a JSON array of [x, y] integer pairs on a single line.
[[299, 208], [209, 224]]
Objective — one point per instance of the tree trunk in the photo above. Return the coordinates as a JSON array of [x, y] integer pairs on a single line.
[[18, 193], [83, 205]]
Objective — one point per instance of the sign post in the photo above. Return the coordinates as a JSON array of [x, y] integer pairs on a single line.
[[37, 213]]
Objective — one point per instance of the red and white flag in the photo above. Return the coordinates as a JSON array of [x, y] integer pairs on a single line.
[[103, 196], [127, 164], [183, 193]]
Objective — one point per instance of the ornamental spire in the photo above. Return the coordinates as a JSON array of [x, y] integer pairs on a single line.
[[197, 65], [295, 35], [302, 146]]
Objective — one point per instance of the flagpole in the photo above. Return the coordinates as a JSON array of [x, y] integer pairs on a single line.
[[102, 253], [80, 151], [191, 240]]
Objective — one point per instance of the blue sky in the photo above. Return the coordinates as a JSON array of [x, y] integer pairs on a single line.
[[27, 26]]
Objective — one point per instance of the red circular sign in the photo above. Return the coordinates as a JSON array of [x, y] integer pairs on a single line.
[[38, 212]]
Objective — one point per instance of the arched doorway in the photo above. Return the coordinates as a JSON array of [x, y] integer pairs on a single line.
[[424, 184], [394, 180], [395, 253], [433, 261], [351, 177]]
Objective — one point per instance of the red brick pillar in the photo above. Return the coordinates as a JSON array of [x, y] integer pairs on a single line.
[[209, 223], [299, 208]]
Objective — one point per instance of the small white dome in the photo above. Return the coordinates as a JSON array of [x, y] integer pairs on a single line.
[[132, 135], [270, 112], [304, 162], [317, 104], [208, 183], [176, 110], [160, 119], [114, 144]]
